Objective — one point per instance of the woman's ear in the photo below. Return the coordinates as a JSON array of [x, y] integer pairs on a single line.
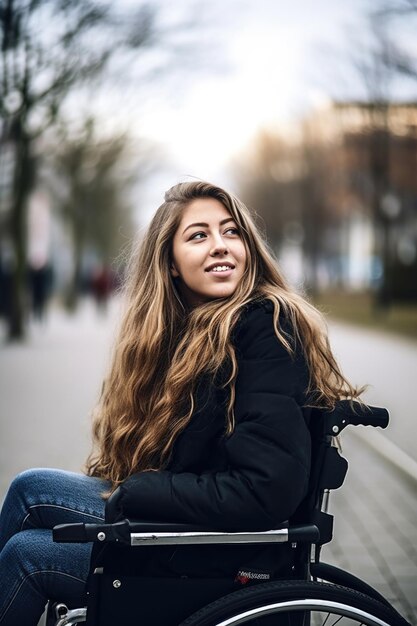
[[173, 270]]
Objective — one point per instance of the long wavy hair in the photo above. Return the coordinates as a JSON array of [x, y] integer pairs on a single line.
[[163, 349]]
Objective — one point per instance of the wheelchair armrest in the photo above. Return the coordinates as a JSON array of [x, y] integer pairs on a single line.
[[167, 534], [149, 533]]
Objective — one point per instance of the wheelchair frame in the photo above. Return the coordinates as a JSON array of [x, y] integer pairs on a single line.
[[346, 595]]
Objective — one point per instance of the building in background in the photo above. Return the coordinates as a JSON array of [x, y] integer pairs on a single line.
[[367, 159], [338, 196]]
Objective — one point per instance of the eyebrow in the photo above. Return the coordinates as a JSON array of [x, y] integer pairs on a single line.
[[205, 225]]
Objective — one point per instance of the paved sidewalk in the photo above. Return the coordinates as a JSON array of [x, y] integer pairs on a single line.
[[375, 530], [49, 386], [388, 365]]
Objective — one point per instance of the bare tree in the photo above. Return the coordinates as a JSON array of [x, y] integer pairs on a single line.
[[48, 49], [91, 183], [373, 63], [288, 184], [92, 179], [268, 181], [401, 59]]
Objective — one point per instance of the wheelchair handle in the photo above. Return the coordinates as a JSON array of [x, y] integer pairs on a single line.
[[348, 412], [87, 533]]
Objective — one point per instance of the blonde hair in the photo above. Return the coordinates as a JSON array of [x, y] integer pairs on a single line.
[[162, 349]]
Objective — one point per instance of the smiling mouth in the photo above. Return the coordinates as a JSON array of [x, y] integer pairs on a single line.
[[220, 268]]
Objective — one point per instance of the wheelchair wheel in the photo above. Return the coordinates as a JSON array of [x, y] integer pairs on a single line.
[[331, 574], [288, 603]]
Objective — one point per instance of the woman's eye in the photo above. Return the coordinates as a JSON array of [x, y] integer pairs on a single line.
[[232, 231], [197, 236]]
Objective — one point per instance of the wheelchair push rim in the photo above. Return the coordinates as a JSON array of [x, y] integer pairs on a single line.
[[298, 606]]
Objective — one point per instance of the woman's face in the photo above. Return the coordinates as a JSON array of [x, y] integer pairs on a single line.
[[209, 257]]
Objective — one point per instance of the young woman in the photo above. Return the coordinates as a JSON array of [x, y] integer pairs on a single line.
[[204, 416]]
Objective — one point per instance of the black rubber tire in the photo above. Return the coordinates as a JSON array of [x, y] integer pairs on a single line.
[[265, 594], [332, 574]]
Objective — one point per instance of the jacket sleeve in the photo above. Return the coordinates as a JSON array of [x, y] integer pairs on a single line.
[[268, 454]]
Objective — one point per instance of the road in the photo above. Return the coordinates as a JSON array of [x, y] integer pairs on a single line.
[[49, 386]]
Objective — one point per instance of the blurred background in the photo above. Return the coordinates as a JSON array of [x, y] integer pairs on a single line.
[[306, 110]]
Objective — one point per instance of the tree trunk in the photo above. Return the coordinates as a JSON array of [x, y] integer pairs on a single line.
[[380, 174], [23, 178]]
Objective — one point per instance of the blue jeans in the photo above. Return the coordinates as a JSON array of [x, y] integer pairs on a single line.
[[34, 569]]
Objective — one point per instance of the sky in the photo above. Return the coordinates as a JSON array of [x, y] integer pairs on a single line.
[[266, 63], [272, 52]]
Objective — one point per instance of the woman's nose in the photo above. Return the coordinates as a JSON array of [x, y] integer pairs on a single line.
[[219, 247]]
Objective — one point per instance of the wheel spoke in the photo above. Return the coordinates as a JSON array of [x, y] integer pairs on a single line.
[[324, 623], [316, 620]]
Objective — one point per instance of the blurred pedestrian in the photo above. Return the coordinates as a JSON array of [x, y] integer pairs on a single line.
[[6, 279], [204, 417], [101, 285], [40, 285]]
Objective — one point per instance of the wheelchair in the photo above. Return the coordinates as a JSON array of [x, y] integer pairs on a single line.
[[313, 594]]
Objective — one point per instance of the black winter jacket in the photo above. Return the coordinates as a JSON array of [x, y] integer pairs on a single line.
[[254, 479]]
